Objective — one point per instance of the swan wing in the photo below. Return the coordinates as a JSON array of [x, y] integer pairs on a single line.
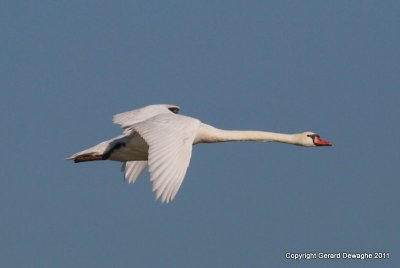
[[127, 119], [170, 138], [133, 169]]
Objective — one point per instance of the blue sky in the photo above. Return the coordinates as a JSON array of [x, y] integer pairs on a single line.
[[285, 66]]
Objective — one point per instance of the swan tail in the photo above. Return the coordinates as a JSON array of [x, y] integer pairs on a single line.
[[97, 152], [101, 151]]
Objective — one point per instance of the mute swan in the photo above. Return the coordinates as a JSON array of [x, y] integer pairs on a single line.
[[157, 136]]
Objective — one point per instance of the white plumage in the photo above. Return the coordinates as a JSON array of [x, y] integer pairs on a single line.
[[158, 137]]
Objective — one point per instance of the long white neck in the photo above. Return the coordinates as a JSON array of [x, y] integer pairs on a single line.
[[208, 134]]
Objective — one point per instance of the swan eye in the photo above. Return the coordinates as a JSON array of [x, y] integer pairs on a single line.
[[312, 136], [175, 110]]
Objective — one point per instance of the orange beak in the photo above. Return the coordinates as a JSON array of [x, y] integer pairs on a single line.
[[320, 142]]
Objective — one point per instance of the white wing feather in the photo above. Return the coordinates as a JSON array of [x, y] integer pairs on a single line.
[[133, 169], [127, 119], [170, 138]]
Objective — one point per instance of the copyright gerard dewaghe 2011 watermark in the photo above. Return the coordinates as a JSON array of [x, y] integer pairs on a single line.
[[337, 255]]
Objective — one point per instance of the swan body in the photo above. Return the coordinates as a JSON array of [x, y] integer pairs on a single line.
[[158, 137]]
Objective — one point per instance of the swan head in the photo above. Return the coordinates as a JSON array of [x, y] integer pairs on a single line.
[[311, 139]]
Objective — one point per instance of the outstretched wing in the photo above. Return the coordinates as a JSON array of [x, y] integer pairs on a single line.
[[133, 169], [127, 119], [170, 138]]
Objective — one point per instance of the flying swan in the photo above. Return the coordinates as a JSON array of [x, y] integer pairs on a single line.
[[158, 137]]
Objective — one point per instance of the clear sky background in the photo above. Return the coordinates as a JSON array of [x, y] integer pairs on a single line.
[[332, 67]]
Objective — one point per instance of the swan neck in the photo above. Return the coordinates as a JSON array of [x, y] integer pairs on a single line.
[[210, 134]]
